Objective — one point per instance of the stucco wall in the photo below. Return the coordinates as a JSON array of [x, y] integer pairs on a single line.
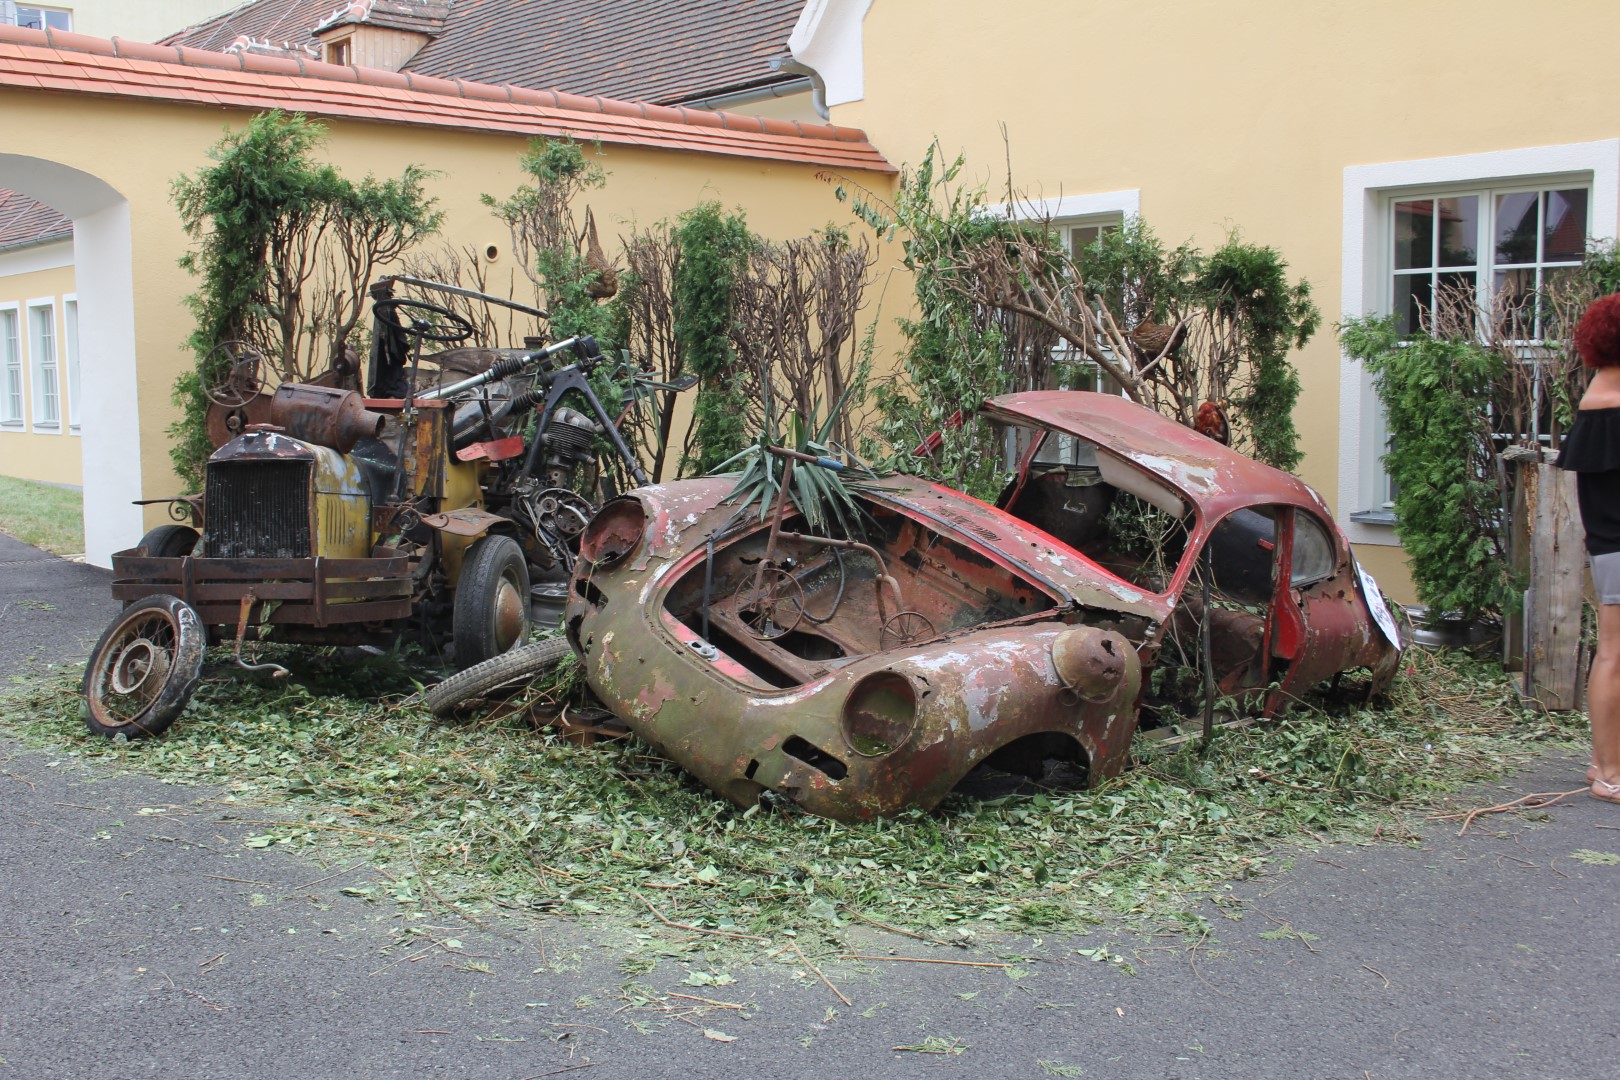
[[28, 449], [1236, 115], [138, 149], [143, 20]]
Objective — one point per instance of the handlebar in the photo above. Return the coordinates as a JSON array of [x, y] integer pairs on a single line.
[[584, 346]]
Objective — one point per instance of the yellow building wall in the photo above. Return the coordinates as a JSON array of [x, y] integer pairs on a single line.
[[1235, 115], [28, 449], [140, 148]]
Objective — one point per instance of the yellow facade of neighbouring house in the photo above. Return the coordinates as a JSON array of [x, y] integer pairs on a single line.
[[108, 162], [40, 395], [1316, 129]]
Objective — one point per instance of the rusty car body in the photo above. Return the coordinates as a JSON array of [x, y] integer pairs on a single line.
[[872, 676]]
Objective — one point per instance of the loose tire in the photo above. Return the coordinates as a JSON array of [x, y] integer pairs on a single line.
[[170, 541], [144, 669], [523, 664], [492, 601]]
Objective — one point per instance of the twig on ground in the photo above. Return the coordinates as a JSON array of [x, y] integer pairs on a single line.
[[925, 960], [689, 926], [1378, 973], [907, 933], [1534, 801], [820, 976], [328, 877]]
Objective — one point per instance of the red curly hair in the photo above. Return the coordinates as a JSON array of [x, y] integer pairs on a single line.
[[1597, 335]]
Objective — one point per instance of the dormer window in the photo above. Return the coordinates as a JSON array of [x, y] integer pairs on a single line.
[[338, 52]]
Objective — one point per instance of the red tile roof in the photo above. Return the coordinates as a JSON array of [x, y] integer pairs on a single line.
[[24, 221], [664, 51], [53, 61]]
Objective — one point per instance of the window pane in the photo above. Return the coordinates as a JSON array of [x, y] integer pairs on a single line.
[[1313, 551], [1413, 295], [1566, 225], [1516, 227], [1515, 304], [1082, 237], [1414, 234], [1458, 288], [59, 20], [1459, 230], [70, 319], [1554, 282]]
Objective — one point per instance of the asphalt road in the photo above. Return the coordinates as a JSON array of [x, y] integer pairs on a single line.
[[141, 937]]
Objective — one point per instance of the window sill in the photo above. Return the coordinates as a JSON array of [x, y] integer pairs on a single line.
[[50, 429], [12, 425], [1374, 517]]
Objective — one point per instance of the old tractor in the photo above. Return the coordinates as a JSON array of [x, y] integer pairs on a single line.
[[332, 518]]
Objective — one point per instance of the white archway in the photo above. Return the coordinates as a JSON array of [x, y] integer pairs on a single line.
[[104, 271]]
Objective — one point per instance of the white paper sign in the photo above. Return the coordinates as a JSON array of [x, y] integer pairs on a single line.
[[1375, 604]]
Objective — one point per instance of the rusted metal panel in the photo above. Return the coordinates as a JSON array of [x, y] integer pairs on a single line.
[[316, 591], [857, 677]]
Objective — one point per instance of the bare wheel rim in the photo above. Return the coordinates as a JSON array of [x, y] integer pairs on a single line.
[[135, 669], [510, 621]]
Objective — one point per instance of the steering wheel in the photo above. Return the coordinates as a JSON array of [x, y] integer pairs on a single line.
[[453, 328]]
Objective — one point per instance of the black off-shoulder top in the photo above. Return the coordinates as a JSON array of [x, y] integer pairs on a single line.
[[1591, 450]]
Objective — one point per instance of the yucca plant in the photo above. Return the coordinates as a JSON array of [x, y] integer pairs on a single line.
[[820, 491]]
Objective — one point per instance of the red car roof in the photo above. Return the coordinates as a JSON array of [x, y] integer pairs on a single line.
[[1215, 477]]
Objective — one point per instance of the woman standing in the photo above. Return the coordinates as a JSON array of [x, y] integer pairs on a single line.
[[1592, 452]]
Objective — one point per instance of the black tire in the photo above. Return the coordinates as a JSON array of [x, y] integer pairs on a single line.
[[170, 541], [521, 665], [144, 669], [491, 601]]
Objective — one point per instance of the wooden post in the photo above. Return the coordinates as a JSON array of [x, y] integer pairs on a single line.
[[1521, 507], [1557, 580]]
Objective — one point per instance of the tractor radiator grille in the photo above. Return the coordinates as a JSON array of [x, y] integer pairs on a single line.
[[258, 510]]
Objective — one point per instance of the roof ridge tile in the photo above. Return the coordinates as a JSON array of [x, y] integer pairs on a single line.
[[128, 49], [66, 39]]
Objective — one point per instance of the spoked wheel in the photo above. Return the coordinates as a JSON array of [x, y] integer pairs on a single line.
[[144, 668], [906, 628], [775, 608]]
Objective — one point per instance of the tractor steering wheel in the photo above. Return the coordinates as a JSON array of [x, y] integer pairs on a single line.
[[454, 328]]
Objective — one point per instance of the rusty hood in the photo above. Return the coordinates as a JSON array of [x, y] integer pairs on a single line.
[[1216, 478]]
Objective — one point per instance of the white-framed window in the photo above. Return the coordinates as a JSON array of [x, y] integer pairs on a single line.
[[1503, 220], [11, 368], [35, 17], [70, 340], [1506, 241], [43, 370]]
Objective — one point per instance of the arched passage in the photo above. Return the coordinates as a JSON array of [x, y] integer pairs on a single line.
[[103, 258]]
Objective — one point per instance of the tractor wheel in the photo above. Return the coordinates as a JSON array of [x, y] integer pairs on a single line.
[[522, 665], [491, 601], [144, 668]]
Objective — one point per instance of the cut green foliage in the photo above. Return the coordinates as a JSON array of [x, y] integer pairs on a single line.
[[474, 814], [1595, 858], [43, 515]]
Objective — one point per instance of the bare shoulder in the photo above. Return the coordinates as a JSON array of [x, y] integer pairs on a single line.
[[1604, 392]]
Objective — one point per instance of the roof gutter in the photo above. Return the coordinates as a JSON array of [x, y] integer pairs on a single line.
[[730, 102]]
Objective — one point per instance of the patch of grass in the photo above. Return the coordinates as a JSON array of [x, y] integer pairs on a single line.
[[469, 814], [43, 515]]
